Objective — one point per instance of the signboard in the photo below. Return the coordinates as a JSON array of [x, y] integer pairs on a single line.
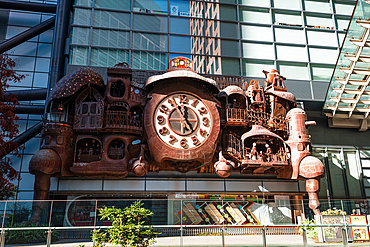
[[359, 233]]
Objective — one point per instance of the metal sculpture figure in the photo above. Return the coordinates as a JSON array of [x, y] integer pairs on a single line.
[[97, 130]]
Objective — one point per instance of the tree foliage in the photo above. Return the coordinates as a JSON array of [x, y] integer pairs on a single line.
[[128, 227], [8, 126]]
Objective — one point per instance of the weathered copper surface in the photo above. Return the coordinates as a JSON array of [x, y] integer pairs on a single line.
[[179, 121], [70, 84]]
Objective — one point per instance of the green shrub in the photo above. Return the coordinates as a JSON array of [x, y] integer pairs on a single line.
[[127, 227]]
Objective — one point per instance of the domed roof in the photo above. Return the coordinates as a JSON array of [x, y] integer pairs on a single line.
[[232, 90], [153, 80], [71, 83]]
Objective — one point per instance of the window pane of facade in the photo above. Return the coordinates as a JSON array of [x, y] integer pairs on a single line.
[[107, 57], [197, 45], [180, 44], [151, 6], [220, 12], [287, 18], [318, 55], [291, 53], [320, 154], [343, 8], [287, 4], [148, 60], [213, 47], [229, 30], [317, 6], [80, 36], [286, 35], [186, 8], [230, 48], [180, 25], [87, 3], [82, 17], [199, 63], [113, 4], [253, 68], [336, 172], [111, 38], [258, 51], [256, 33], [259, 3], [224, 66], [111, 19], [255, 15], [319, 21], [293, 70], [321, 72], [342, 24], [79, 55], [149, 41], [150, 23], [352, 172], [322, 38]]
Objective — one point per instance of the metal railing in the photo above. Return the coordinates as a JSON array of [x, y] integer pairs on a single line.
[[221, 228]]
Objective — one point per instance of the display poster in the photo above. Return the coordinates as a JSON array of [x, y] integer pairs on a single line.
[[359, 233]]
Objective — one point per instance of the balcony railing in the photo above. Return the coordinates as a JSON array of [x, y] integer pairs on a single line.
[[251, 117], [124, 121]]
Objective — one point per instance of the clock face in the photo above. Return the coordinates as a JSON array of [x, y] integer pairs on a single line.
[[182, 121]]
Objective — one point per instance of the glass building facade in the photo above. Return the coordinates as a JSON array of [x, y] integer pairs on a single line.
[[300, 38], [241, 38]]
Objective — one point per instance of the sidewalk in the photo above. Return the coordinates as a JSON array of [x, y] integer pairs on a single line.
[[212, 241]]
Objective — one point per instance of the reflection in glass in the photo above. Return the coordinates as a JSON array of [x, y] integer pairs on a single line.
[[87, 3], [224, 66], [111, 38], [107, 57], [149, 41], [80, 36], [150, 23], [352, 172], [82, 17], [148, 60], [220, 12], [186, 8], [112, 19], [79, 55], [336, 172], [151, 6], [113, 4]]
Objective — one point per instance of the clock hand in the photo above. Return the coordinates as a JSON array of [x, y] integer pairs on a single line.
[[182, 118]]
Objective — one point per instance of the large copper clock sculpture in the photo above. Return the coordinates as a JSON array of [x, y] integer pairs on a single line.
[[178, 120]]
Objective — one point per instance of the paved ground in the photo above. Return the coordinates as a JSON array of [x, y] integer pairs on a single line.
[[213, 241]]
